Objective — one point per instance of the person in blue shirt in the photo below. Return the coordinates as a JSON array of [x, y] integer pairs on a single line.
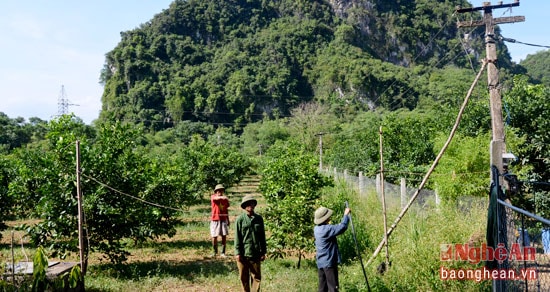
[[328, 255]]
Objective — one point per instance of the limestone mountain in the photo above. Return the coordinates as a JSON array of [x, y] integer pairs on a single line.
[[229, 62]]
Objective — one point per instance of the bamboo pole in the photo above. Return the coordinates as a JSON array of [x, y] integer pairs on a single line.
[[383, 195], [434, 164], [12, 262], [80, 213]]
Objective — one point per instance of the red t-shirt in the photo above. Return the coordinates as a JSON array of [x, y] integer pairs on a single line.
[[220, 204]]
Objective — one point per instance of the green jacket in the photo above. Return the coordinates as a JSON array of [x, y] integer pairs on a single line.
[[250, 236]]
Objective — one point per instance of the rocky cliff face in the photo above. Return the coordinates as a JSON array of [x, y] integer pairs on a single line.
[[406, 32]]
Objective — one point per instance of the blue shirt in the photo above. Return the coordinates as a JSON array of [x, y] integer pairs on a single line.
[[328, 254]]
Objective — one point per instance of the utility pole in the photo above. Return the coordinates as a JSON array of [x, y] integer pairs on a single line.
[[498, 145]]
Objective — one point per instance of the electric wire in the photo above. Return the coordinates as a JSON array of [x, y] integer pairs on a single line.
[[465, 50], [518, 42], [130, 196], [438, 63], [417, 56]]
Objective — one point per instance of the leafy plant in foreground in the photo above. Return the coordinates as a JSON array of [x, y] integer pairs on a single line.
[[290, 184]]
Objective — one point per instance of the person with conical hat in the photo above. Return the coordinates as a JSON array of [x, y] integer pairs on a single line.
[[328, 256], [219, 218], [250, 245]]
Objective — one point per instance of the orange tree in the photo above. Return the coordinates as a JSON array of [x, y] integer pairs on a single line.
[[528, 108], [118, 177], [291, 185], [5, 200]]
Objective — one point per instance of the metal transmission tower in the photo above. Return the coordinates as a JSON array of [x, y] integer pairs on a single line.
[[63, 103]]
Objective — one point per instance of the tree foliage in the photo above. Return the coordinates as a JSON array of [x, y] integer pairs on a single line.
[[408, 143], [17, 132], [538, 66], [6, 176], [258, 137], [291, 186], [44, 184], [529, 109], [127, 193], [205, 164], [464, 168]]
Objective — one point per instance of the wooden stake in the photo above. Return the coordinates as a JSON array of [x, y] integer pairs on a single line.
[[12, 262], [80, 213], [383, 195]]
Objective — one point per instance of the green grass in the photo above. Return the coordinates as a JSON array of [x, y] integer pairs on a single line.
[[182, 263], [414, 245]]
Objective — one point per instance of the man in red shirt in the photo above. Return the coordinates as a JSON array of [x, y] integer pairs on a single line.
[[219, 220]]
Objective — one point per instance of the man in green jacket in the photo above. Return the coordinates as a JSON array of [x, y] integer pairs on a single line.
[[250, 245]]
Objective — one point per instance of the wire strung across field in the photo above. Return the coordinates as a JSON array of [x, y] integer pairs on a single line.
[[133, 197], [202, 218]]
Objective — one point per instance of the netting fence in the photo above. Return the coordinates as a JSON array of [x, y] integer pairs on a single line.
[[525, 237], [396, 196]]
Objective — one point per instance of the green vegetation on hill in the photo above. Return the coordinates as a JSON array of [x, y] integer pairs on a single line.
[[234, 62], [538, 67]]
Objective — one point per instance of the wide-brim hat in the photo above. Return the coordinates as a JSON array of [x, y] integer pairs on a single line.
[[321, 215], [219, 187], [247, 200]]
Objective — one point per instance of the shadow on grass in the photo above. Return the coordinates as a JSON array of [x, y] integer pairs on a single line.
[[200, 244], [202, 209], [188, 270], [5, 251], [184, 244], [6, 246]]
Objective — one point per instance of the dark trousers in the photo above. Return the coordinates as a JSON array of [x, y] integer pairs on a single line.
[[328, 279]]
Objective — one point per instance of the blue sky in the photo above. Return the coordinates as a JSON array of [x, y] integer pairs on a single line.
[[531, 31], [47, 44]]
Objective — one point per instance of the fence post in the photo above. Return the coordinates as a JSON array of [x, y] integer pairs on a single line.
[[361, 183], [404, 199]]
